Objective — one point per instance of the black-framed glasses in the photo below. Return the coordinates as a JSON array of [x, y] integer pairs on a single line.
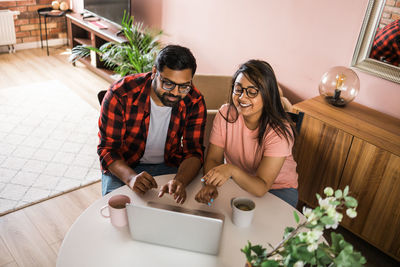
[[251, 91], [170, 85]]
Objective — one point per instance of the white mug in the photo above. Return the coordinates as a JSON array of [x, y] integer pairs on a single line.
[[117, 210], [242, 211]]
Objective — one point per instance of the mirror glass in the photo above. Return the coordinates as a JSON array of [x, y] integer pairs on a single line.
[[377, 51]]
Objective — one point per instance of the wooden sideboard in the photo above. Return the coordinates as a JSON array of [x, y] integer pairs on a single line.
[[356, 146]]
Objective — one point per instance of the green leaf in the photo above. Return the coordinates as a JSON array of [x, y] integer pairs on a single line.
[[247, 251], [351, 202], [270, 263], [288, 230], [349, 258], [327, 220], [322, 257], [346, 191], [296, 216], [336, 239], [259, 250], [318, 196], [338, 193]]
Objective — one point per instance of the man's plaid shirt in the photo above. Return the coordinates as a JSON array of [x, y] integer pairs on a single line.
[[125, 117]]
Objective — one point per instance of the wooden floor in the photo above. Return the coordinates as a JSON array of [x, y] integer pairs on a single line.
[[33, 65], [33, 235]]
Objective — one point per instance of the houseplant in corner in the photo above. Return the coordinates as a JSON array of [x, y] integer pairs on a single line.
[[136, 55], [301, 246]]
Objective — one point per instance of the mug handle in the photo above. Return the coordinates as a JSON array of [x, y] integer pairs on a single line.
[[232, 199], [102, 214]]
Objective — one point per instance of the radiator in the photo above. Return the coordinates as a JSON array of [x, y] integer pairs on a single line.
[[7, 29]]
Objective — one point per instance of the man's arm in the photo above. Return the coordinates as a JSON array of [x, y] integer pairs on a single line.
[[192, 144], [140, 183], [188, 169], [111, 132]]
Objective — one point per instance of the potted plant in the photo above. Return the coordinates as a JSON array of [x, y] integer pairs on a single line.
[[136, 55], [302, 246]]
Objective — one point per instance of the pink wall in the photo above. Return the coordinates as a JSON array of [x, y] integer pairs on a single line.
[[300, 39]]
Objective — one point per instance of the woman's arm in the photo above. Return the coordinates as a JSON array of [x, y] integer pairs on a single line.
[[257, 185], [215, 157], [261, 183]]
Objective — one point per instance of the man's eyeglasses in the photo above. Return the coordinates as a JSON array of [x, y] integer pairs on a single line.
[[251, 91], [169, 85]]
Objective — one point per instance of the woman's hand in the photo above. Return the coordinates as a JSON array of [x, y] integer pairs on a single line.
[[218, 175], [207, 194]]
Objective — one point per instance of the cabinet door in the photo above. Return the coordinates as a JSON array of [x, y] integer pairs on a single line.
[[320, 151], [374, 178]]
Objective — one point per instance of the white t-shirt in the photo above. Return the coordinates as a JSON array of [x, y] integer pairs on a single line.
[[157, 135]]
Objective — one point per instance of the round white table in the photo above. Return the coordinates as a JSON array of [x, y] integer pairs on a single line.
[[93, 241]]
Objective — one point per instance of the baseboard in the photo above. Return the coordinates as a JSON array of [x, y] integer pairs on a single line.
[[23, 46]]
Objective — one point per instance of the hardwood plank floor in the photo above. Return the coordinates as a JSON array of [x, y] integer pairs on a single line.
[[32, 236], [25, 242], [33, 65], [5, 255]]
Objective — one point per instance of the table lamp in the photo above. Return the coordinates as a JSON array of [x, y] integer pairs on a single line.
[[339, 86]]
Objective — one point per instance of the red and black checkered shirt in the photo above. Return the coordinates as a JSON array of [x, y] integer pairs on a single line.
[[125, 117], [386, 46]]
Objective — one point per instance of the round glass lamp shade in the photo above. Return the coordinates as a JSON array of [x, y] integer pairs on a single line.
[[339, 86]]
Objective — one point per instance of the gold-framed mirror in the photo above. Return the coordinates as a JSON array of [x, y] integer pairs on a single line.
[[361, 59]]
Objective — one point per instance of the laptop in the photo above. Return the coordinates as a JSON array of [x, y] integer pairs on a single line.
[[177, 227]]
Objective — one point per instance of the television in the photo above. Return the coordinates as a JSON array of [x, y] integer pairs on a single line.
[[110, 10]]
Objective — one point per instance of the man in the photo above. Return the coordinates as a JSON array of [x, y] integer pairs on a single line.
[[153, 124], [386, 46]]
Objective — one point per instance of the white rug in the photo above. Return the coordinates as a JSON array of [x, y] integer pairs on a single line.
[[48, 138]]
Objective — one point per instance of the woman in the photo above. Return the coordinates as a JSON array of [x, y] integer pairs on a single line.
[[254, 134]]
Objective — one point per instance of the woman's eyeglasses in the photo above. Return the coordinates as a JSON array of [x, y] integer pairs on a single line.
[[251, 91], [169, 85]]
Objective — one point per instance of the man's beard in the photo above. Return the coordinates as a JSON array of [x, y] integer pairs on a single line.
[[163, 96]]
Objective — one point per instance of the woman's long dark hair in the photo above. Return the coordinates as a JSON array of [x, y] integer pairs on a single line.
[[261, 75]]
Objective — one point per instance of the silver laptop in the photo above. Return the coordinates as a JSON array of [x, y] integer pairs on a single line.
[[177, 227]]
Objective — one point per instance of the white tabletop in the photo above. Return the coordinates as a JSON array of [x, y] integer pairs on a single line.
[[93, 241]]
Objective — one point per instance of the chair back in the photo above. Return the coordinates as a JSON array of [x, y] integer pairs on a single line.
[[297, 118], [100, 96]]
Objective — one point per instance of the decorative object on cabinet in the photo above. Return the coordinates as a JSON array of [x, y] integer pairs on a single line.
[[359, 147], [339, 86]]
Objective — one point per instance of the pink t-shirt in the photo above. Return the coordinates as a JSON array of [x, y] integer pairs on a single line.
[[241, 148]]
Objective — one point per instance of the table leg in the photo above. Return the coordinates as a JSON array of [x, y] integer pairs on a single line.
[[40, 29], [45, 28], [66, 29]]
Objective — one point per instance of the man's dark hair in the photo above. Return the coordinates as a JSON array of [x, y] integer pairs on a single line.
[[176, 57]]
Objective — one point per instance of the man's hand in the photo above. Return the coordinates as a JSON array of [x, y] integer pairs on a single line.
[[142, 183], [176, 188], [218, 175], [207, 194]]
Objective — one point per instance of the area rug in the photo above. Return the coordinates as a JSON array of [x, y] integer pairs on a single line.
[[48, 138]]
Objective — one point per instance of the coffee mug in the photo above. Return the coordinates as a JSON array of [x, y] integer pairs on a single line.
[[242, 211], [117, 210]]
